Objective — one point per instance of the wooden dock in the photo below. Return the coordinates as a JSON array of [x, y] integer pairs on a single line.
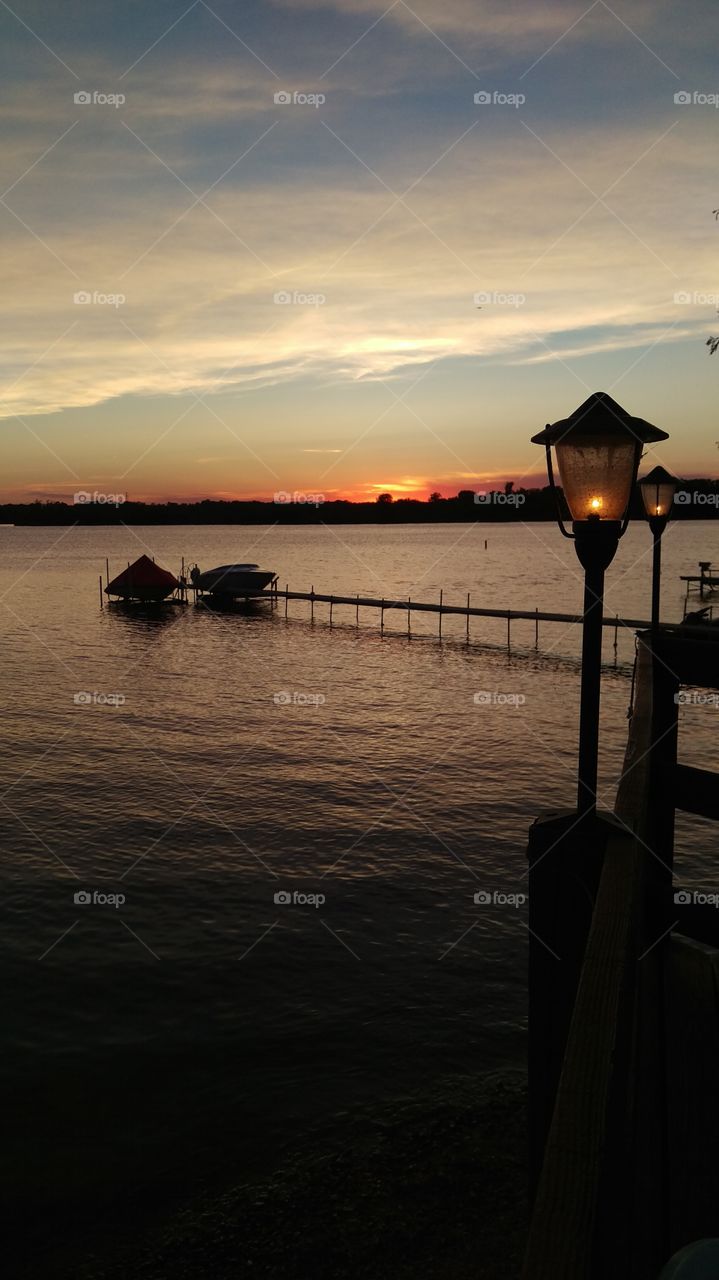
[[441, 608]]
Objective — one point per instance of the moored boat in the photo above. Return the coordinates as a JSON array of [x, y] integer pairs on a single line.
[[233, 581], [143, 581]]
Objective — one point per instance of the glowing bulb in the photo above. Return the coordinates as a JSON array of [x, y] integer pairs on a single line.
[[596, 504]]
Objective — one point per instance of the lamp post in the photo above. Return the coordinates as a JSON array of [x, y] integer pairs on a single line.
[[657, 490], [598, 448]]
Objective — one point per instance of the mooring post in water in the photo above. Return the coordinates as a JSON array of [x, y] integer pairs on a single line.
[[509, 632], [312, 603], [331, 603], [409, 616], [357, 613], [101, 600], [381, 618], [536, 628], [467, 617], [441, 597], [287, 592], [616, 625]]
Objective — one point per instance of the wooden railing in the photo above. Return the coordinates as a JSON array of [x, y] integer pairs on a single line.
[[624, 1030]]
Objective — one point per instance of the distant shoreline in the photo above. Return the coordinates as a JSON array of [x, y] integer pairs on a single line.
[[696, 500]]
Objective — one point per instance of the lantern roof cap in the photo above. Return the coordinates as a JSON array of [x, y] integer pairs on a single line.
[[600, 415], [658, 475]]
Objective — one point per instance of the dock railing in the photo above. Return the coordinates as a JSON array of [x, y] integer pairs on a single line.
[[624, 1014]]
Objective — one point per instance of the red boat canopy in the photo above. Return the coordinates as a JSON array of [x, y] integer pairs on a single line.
[[143, 575]]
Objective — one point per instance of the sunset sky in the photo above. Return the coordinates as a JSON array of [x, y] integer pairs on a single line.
[[282, 293]]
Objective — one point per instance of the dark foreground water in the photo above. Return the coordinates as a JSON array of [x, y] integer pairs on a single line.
[[241, 853]]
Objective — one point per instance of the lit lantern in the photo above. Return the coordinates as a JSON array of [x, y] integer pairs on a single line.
[[598, 449], [657, 490]]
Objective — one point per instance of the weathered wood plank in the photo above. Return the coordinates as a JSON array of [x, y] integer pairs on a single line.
[[581, 1219], [696, 791], [692, 1002]]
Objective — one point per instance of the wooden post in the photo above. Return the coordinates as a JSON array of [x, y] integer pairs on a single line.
[[509, 636], [536, 628], [565, 858], [101, 600], [616, 625], [312, 603], [381, 618], [331, 603], [287, 590], [357, 612], [409, 617], [467, 617], [441, 597]]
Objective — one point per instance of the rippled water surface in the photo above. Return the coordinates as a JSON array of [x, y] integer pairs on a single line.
[[202, 1023]]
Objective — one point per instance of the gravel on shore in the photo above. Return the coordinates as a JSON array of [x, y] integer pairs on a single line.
[[428, 1188]]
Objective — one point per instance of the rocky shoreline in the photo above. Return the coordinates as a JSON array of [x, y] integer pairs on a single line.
[[431, 1187]]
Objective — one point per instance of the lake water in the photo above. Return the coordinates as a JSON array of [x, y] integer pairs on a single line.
[[197, 1029]]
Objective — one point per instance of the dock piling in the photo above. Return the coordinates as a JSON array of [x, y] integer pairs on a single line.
[[441, 598], [468, 617], [409, 618], [536, 628]]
